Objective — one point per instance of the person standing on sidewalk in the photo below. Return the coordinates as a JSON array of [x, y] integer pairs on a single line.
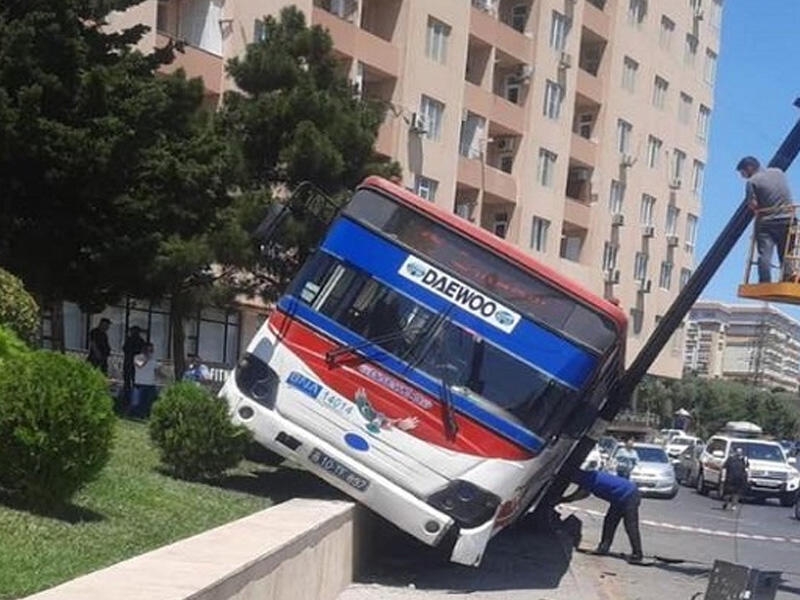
[[623, 498], [735, 467]]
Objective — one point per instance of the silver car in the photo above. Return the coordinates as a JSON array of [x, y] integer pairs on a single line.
[[654, 474]]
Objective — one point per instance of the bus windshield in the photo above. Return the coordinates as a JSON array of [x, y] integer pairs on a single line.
[[483, 269], [435, 345]]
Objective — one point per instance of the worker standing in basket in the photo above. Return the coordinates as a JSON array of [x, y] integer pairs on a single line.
[[768, 194]]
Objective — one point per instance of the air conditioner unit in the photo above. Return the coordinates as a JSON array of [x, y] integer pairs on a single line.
[[524, 72], [648, 231], [618, 220], [583, 174], [627, 160], [645, 286], [675, 184], [565, 61], [612, 276], [419, 124], [672, 241], [464, 114], [484, 5], [506, 144], [698, 14]]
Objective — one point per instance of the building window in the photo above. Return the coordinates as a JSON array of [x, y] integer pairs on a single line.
[[673, 212], [436, 42], [586, 125], [500, 225], [558, 31], [660, 86], [473, 130], [647, 209], [539, 234], [259, 30], [666, 33], [513, 88], [690, 50], [710, 69], [426, 188], [678, 162], [691, 231], [547, 167], [624, 133], [640, 266], [685, 108], [665, 276], [698, 175], [519, 17], [653, 151], [703, 120], [684, 279], [629, 68], [637, 11], [553, 98], [432, 111], [716, 14], [610, 252], [162, 18], [507, 162], [616, 198]]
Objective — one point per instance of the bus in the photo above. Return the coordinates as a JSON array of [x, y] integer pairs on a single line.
[[427, 368]]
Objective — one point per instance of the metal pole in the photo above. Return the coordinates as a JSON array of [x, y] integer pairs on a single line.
[[620, 394]]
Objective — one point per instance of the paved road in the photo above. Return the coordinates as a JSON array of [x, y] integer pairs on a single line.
[[689, 528]]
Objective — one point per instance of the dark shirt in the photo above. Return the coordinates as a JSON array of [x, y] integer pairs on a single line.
[[99, 349], [735, 468], [770, 189], [134, 345], [608, 487]]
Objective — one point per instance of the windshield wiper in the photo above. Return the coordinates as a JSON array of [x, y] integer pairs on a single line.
[[332, 355], [449, 417]]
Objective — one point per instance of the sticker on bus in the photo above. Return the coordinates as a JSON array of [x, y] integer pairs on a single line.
[[459, 293]]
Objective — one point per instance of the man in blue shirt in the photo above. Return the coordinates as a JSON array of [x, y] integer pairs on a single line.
[[623, 497]]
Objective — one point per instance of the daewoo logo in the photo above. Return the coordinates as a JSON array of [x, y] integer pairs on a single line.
[[459, 293]]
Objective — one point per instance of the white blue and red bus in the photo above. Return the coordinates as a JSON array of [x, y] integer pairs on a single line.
[[428, 369]]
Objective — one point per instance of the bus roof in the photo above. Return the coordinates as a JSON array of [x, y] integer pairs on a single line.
[[502, 248]]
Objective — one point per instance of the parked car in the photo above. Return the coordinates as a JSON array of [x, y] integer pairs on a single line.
[[687, 467], [769, 475], [667, 434], [676, 445], [654, 474]]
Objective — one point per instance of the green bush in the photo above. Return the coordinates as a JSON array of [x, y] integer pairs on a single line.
[[56, 426], [18, 309], [10, 345], [194, 434]]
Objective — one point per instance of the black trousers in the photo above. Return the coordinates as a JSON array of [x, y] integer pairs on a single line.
[[628, 512]]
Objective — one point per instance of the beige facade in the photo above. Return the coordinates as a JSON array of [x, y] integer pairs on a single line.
[[577, 129], [754, 343]]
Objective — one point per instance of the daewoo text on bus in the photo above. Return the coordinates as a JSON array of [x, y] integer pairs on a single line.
[[428, 369]]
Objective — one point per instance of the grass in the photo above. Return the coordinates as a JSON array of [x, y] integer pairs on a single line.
[[129, 509]]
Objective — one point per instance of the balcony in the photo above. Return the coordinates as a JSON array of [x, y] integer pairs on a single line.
[[594, 19], [508, 116], [578, 212], [589, 86], [197, 63], [488, 29], [354, 42], [583, 150], [473, 173]]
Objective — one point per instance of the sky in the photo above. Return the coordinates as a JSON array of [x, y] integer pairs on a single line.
[[758, 79]]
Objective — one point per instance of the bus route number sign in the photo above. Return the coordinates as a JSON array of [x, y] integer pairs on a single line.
[[338, 470]]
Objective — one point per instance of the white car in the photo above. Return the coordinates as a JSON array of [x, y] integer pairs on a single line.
[[653, 474], [768, 476], [676, 445], [594, 460]]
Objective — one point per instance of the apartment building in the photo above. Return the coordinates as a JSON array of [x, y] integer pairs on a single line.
[[758, 344], [576, 129]]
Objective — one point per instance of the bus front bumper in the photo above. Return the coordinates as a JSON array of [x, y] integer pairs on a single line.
[[406, 511]]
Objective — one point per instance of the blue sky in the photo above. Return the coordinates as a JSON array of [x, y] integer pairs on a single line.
[[758, 79]]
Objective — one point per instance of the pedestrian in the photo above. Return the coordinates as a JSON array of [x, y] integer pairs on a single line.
[[623, 498], [134, 344], [626, 459], [144, 387], [768, 194], [99, 349], [735, 468], [196, 371]]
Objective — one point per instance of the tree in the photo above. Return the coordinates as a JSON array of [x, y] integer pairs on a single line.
[[77, 108], [295, 117]]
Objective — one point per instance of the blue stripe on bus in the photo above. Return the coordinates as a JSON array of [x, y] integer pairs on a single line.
[[508, 429], [544, 350]]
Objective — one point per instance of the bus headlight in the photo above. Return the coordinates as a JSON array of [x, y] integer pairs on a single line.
[[465, 502], [256, 380]]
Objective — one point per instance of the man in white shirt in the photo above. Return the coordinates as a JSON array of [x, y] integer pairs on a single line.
[[144, 383]]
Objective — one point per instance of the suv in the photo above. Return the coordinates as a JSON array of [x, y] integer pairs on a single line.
[[769, 475]]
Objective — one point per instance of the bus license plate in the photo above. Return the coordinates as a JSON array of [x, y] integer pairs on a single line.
[[338, 470]]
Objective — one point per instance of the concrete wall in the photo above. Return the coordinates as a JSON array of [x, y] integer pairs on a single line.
[[298, 549]]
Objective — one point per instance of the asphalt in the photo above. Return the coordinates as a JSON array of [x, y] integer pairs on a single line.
[[686, 534]]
